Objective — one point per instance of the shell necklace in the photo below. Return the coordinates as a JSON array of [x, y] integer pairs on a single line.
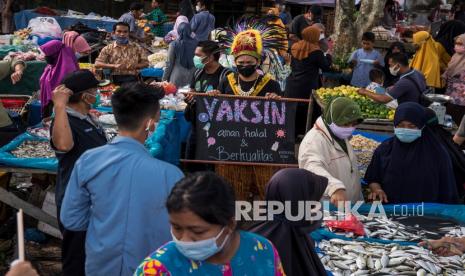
[[250, 91]]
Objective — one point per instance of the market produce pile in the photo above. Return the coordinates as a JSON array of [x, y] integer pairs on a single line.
[[370, 109], [158, 60], [23, 33], [363, 148], [343, 257], [34, 149]]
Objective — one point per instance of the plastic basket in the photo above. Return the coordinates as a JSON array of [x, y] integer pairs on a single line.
[[15, 103]]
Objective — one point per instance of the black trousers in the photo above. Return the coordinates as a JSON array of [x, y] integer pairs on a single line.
[[73, 250]]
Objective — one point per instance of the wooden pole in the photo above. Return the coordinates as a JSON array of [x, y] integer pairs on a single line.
[[291, 100], [311, 106]]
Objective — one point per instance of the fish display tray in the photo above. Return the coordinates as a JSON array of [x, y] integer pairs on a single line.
[[430, 223]]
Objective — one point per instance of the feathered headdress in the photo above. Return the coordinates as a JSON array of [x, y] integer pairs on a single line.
[[259, 38], [253, 34], [247, 43]]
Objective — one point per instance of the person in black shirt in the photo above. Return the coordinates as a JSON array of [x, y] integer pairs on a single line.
[[311, 16], [73, 131], [209, 71], [206, 79], [307, 61]]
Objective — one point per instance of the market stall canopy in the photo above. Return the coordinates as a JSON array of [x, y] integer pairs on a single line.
[[328, 3]]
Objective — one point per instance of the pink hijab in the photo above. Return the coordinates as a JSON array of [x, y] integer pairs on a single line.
[[457, 63], [76, 42], [64, 62], [173, 34]]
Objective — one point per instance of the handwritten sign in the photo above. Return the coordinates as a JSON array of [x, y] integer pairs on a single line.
[[245, 130]]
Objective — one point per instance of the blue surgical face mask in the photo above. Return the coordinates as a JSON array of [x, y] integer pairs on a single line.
[[198, 62], [200, 250], [121, 40], [78, 56], [407, 135]]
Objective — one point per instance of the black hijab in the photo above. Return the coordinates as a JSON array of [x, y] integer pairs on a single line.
[[447, 34], [420, 171], [455, 153], [291, 238]]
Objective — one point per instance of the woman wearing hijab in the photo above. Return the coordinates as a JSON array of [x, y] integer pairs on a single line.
[[396, 47], [173, 34], [430, 58], [180, 64], [447, 34], [76, 42], [326, 150], [413, 166], [291, 238], [60, 62], [455, 153], [455, 80], [307, 61]]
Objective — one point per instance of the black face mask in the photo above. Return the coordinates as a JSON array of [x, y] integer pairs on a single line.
[[50, 60], [246, 70]]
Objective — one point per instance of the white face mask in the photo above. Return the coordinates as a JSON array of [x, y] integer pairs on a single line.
[[198, 8], [200, 250], [393, 70], [322, 36]]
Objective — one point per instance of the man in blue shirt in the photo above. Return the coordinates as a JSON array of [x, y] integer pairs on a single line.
[[203, 23], [135, 12], [117, 192], [284, 14]]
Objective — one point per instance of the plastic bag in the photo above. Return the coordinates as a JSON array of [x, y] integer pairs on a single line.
[[45, 27], [349, 224]]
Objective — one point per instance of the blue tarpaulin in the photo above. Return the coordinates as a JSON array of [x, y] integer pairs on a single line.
[[8, 159], [22, 20]]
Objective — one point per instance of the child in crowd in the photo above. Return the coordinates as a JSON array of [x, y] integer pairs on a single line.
[[377, 81], [365, 59]]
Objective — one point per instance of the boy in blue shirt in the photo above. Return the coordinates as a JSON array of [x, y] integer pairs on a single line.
[[377, 81], [365, 59]]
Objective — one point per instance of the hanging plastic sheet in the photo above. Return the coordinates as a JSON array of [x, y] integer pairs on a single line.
[[8, 159], [165, 143]]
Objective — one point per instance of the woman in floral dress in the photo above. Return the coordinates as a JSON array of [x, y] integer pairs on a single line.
[[205, 238]]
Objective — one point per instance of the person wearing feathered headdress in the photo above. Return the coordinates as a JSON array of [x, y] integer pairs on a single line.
[[250, 42]]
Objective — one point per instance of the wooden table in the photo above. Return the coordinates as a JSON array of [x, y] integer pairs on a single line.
[[13, 201]]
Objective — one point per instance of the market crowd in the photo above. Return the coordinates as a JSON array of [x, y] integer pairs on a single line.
[[123, 212]]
